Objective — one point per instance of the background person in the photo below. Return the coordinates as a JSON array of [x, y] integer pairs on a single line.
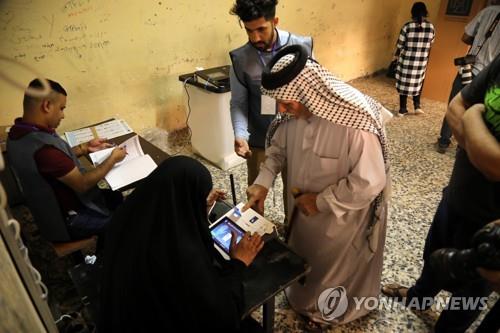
[[469, 202], [412, 54], [484, 49], [251, 113]]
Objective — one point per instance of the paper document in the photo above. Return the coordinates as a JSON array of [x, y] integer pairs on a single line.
[[108, 130], [134, 166], [134, 170], [132, 146]]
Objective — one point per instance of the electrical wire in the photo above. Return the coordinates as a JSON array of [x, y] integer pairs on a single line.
[[188, 139]]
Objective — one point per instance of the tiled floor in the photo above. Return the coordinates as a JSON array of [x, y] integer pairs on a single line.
[[418, 173]]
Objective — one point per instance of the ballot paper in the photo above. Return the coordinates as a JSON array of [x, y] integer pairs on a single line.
[[108, 130], [135, 166]]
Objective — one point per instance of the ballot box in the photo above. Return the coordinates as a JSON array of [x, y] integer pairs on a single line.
[[207, 96]]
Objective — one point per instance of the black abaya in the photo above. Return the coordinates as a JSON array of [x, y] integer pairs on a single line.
[[159, 270]]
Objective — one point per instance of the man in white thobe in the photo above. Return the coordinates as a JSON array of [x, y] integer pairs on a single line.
[[334, 148]]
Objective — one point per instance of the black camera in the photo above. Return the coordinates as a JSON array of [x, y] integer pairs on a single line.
[[465, 68], [467, 60], [460, 265]]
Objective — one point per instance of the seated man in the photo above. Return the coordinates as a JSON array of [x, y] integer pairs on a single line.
[[50, 173]]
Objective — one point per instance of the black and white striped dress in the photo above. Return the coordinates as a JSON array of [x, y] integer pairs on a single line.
[[414, 44]]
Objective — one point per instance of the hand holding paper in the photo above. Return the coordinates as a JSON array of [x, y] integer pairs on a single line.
[[98, 144], [132, 164]]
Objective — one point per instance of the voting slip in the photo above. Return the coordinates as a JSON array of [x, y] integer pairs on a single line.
[[238, 222], [107, 130], [135, 166]]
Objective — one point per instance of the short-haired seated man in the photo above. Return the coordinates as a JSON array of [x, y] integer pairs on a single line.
[[63, 198]]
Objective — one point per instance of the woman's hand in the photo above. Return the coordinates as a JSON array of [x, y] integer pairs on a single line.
[[215, 195], [247, 248]]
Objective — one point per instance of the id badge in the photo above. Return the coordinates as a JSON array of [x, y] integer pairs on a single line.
[[267, 105]]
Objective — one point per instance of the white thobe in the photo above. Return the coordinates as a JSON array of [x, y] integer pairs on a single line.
[[346, 168]]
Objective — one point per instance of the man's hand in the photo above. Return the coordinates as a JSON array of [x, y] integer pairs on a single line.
[[241, 148], [247, 248], [256, 195], [215, 195], [117, 155], [493, 277], [98, 144], [306, 203]]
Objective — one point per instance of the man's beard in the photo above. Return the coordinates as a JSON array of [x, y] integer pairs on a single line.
[[263, 46]]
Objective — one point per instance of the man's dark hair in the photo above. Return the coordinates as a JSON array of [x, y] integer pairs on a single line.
[[37, 85], [419, 11], [55, 86], [249, 10]]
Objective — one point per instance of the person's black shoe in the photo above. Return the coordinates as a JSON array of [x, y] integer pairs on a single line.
[[441, 148]]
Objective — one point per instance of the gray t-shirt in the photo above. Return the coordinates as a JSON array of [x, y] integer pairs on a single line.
[[477, 28]]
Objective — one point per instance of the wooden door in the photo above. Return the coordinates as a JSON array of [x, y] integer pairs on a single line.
[[447, 46]]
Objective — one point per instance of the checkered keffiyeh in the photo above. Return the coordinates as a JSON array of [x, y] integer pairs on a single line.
[[414, 45], [331, 99]]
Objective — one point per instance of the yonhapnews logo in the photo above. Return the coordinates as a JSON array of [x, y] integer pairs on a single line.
[[332, 303]]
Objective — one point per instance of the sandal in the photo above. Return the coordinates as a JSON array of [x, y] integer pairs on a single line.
[[395, 290], [311, 326]]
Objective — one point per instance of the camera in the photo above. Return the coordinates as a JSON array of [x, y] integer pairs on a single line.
[[460, 265], [465, 68]]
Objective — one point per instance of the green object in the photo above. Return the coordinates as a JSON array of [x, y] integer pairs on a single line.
[[492, 113]]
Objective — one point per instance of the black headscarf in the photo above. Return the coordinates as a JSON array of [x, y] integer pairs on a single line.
[[159, 259]]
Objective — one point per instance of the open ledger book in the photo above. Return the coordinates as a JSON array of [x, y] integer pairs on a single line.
[[109, 129], [135, 166]]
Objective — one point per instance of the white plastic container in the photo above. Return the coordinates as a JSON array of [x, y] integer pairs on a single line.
[[210, 122]]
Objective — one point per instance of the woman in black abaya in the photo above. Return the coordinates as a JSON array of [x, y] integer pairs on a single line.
[[161, 269]]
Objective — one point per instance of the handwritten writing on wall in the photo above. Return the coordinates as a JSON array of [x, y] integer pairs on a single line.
[[74, 30]]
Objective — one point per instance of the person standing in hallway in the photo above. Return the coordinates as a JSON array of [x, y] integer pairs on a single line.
[[483, 34], [252, 113], [412, 54]]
